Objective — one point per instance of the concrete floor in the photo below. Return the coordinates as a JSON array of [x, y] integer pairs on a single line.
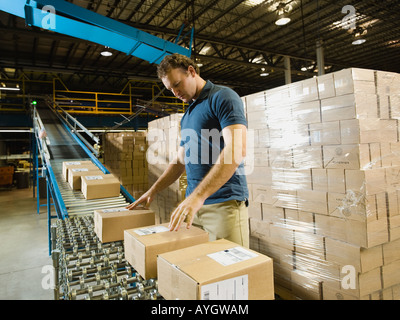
[[23, 247]]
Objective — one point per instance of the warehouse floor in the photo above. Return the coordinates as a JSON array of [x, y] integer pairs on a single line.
[[24, 247]]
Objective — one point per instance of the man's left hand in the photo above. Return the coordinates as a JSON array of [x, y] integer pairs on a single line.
[[185, 212]]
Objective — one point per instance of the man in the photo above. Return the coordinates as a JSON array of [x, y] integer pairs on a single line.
[[216, 195]]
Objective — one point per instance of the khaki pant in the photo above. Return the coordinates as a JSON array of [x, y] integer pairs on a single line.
[[228, 220]]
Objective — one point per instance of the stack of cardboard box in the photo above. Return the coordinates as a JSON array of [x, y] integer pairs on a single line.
[[90, 180], [182, 261], [163, 143], [323, 172], [125, 157]]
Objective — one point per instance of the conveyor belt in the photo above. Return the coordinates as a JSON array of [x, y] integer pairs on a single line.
[[63, 147]]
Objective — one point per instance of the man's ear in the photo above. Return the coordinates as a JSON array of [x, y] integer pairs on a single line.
[[192, 71]]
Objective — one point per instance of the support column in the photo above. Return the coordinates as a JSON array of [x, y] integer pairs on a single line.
[[320, 58], [288, 73]]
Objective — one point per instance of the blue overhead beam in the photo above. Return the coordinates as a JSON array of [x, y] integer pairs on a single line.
[[66, 18]]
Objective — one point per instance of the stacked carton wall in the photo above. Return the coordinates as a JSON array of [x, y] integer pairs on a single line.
[[323, 174], [125, 157]]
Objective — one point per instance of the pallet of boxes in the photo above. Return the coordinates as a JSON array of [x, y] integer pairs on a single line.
[[323, 174], [125, 157]]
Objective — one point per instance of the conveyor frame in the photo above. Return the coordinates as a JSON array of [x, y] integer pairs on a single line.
[[57, 189]]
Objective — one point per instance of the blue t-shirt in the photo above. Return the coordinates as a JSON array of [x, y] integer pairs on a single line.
[[201, 134]]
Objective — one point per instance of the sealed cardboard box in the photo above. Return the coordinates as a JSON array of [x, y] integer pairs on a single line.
[[325, 133], [341, 157], [326, 87], [100, 186], [338, 108], [110, 223], [142, 245], [217, 270], [75, 174], [68, 164]]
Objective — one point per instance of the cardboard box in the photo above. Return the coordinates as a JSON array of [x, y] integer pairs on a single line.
[[142, 245], [319, 179], [68, 164], [350, 131], [100, 186], [307, 112], [354, 80], [341, 156], [109, 224], [362, 259], [218, 270], [325, 133], [360, 287], [306, 157], [338, 108], [350, 205], [326, 87], [75, 174], [312, 201], [336, 180], [306, 90]]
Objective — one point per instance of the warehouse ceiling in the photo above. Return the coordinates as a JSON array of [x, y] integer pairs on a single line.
[[235, 41]]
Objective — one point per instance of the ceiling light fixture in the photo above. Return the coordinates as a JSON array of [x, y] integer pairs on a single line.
[[9, 89], [359, 36], [263, 73], [283, 18], [106, 53]]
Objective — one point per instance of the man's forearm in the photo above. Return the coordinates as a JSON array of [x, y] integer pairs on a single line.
[[169, 176]]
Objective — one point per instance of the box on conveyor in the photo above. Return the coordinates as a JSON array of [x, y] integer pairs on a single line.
[[75, 174], [74, 164], [217, 270], [142, 245], [110, 223], [100, 186]]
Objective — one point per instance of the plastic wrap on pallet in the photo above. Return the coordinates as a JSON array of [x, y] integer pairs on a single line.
[[323, 174]]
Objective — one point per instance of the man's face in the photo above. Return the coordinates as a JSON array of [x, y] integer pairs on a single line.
[[181, 83]]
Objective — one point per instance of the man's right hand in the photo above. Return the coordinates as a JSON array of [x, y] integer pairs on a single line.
[[145, 199]]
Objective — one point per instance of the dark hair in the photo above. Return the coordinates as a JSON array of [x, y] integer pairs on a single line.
[[175, 61]]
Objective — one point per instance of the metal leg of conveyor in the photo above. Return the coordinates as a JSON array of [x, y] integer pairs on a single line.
[[48, 215], [55, 255]]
